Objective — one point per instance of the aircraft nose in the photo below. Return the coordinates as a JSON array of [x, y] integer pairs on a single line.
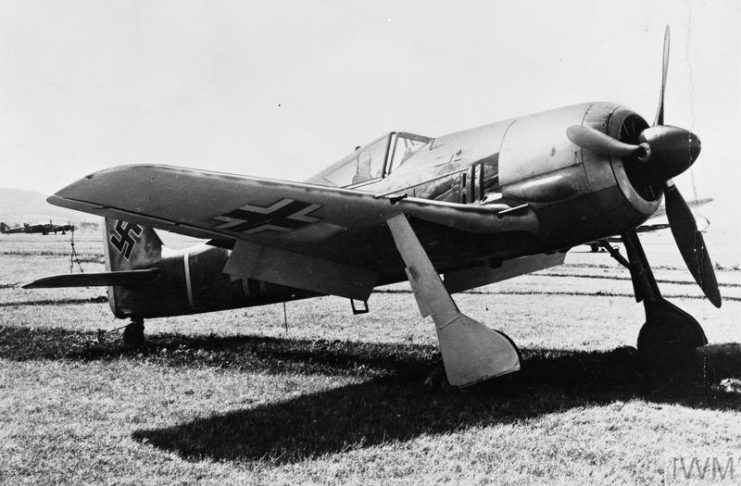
[[672, 151]]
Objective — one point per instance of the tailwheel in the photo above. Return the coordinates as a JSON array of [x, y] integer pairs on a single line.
[[670, 335], [133, 335]]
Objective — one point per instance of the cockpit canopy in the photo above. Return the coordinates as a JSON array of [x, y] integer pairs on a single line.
[[373, 161]]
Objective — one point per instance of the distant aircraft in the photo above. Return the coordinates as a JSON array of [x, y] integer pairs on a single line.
[[43, 228], [6, 230], [477, 206]]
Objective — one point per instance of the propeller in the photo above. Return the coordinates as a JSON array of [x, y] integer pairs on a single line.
[[662, 153], [596, 141], [691, 243], [659, 120]]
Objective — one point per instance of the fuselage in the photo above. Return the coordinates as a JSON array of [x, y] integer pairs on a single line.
[[526, 163], [524, 169]]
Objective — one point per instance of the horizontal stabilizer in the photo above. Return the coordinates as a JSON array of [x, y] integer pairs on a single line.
[[101, 279]]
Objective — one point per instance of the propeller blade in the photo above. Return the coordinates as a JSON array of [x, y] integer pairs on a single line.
[[599, 143], [659, 120], [690, 242]]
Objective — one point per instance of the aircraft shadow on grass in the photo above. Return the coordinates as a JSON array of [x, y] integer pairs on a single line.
[[399, 408], [391, 404]]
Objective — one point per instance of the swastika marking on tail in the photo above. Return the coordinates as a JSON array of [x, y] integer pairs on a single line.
[[282, 216], [122, 238]]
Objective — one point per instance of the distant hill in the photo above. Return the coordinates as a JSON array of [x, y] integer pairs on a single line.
[[18, 206]]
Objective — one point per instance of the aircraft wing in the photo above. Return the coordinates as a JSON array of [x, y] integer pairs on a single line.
[[288, 233], [325, 239], [206, 204]]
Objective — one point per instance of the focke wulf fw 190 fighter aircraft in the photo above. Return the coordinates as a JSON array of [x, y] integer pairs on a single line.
[[476, 206]]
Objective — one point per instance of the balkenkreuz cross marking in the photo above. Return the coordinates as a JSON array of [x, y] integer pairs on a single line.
[[284, 215], [122, 238]]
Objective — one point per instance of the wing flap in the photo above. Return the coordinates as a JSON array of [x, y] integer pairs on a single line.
[[300, 271]]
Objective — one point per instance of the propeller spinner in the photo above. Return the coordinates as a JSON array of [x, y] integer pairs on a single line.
[[663, 152]]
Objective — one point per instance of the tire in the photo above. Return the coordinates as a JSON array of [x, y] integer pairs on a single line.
[[669, 334], [133, 335]]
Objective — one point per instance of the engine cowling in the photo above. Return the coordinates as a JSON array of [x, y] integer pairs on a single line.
[[578, 195]]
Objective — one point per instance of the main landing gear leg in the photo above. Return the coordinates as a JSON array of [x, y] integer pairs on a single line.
[[471, 351], [133, 335], [669, 335]]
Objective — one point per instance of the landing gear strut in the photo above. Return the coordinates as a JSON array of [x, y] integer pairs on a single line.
[[133, 335], [669, 335], [471, 351]]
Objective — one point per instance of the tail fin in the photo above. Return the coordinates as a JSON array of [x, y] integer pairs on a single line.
[[132, 252], [3, 227], [130, 246]]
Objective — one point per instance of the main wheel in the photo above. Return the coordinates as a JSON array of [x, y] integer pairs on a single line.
[[669, 334]]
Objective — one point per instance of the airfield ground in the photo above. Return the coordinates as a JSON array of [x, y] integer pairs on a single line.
[[231, 397]]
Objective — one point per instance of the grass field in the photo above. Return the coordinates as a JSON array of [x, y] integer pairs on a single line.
[[231, 397]]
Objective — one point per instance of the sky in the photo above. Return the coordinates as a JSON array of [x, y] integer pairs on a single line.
[[282, 89]]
